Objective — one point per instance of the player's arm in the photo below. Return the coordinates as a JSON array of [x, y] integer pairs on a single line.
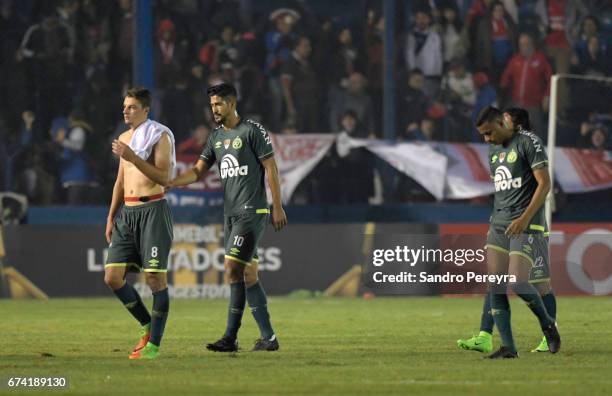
[[190, 176], [115, 202], [279, 218], [538, 199], [159, 171]]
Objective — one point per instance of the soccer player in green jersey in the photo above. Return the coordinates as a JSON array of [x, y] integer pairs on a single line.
[[517, 119], [516, 241], [243, 150]]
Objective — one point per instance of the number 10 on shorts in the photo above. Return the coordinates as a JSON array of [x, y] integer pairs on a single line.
[[238, 240]]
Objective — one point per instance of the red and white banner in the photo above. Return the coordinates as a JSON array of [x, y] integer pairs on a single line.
[[446, 170], [579, 170], [420, 161], [296, 156], [468, 174]]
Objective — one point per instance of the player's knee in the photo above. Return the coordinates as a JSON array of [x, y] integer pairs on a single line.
[[156, 281], [250, 277], [543, 288], [522, 288], [234, 272], [113, 280]]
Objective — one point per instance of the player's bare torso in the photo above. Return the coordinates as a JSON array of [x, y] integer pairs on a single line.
[[135, 183]]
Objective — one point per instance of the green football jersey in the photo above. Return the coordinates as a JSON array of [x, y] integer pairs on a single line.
[[512, 165], [239, 152]]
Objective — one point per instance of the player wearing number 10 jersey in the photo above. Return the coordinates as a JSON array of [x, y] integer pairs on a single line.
[[243, 151]]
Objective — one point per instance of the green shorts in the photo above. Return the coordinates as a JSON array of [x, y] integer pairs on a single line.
[[142, 238], [242, 235], [532, 246]]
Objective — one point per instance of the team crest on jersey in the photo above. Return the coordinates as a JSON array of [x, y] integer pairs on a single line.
[[237, 143], [218, 145], [494, 158], [512, 157], [502, 157], [226, 143]]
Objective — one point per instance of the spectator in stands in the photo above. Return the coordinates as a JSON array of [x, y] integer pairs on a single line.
[[279, 43], [424, 51], [495, 38], [374, 31], [459, 96], [423, 131], [595, 61], [450, 31], [589, 28], [485, 96], [355, 98], [76, 177], [195, 143], [559, 20], [301, 88], [527, 75], [46, 50], [346, 59], [356, 185], [122, 30], [412, 104], [170, 53], [599, 138], [174, 102], [459, 83]]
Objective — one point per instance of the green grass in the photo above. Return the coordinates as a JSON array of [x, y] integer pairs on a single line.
[[328, 346]]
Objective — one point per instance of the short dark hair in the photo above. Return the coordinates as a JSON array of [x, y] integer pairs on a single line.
[[224, 90], [520, 118], [488, 114], [141, 94]]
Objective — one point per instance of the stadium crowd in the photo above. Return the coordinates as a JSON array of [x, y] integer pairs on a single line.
[[300, 67]]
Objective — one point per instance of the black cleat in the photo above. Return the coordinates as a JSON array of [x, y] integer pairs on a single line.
[[503, 353], [552, 338], [266, 345], [225, 344]]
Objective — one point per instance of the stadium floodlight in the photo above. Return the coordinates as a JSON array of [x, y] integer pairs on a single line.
[[552, 133]]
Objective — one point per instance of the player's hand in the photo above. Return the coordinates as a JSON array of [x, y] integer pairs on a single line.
[[124, 151], [109, 230], [517, 227], [279, 218], [169, 186]]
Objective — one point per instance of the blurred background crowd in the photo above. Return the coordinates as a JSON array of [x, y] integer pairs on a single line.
[[311, 66]]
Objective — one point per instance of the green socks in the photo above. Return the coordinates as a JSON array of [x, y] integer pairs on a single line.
[[486, 320], [236, 307], [259, 307], [161, 305], [132, 301]]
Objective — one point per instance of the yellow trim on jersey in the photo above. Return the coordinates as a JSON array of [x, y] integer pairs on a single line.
[[237, 260], [517, 253], [262, 211], [155, 270], [547, 233], [265, 155], [495, 247], [539, 163], [117, 265], [539, 280], [536, 227]]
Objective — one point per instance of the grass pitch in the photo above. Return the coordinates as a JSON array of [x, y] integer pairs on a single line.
[[328, 346]]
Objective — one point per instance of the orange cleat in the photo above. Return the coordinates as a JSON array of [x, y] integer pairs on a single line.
[[145, 335]]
